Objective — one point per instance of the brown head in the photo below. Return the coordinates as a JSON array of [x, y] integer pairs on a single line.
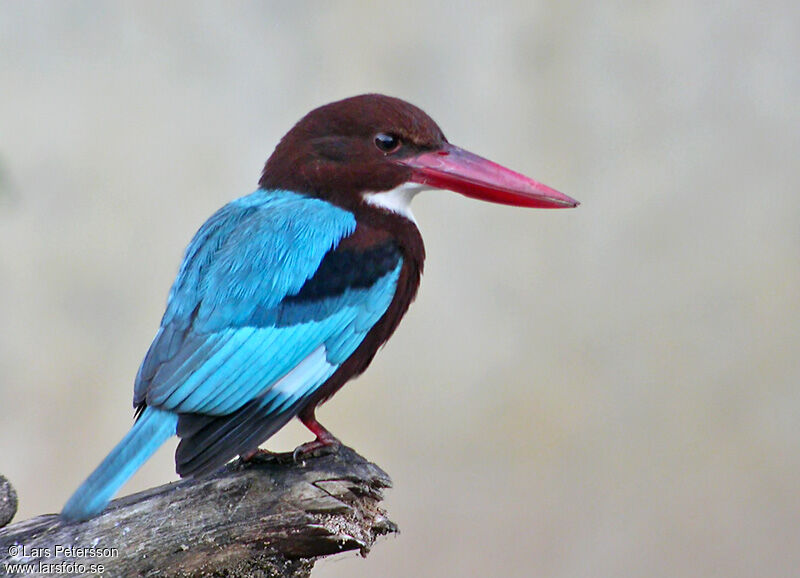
[[348, 151]]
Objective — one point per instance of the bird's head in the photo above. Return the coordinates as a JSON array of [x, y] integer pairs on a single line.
[[378, 150]]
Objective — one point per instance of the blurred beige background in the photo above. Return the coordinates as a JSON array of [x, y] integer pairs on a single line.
[[609, 391]]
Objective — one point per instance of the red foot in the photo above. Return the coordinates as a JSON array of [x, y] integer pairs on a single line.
[[325, 439], [256, 454]]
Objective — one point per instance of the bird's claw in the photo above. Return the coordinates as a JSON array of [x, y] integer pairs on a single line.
[[315, 448], [318, 447], [258, 455]]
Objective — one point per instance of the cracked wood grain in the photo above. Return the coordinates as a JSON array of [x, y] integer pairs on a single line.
[[269, 517]]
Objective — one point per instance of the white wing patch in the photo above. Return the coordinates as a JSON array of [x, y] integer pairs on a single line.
[[307, 375]]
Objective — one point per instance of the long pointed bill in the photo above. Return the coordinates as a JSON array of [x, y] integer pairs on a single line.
[[455, 169]]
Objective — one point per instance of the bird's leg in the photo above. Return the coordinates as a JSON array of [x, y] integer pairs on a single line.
[[325, 439]]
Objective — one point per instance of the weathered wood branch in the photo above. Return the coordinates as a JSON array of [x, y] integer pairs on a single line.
[[269, 517], [8, 501]]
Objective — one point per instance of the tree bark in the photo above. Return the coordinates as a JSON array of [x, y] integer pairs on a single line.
[[267, 517]]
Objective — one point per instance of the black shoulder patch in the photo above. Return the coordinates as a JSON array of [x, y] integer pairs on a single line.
[[348, 268]]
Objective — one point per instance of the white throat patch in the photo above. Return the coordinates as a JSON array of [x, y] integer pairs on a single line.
[[398, 200]]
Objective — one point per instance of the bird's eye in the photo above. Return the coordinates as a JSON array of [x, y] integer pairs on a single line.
[[387, 142]]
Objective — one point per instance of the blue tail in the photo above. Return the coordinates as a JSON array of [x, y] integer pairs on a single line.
[[150, 431]]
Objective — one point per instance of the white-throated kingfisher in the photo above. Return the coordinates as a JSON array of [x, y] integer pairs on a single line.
[[287, 293]]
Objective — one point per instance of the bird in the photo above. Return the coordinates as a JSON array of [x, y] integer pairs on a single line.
[[287, 293]]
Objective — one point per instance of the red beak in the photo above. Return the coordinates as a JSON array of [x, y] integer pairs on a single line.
[[455, 169]]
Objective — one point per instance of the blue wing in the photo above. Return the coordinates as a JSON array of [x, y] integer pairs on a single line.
[[262, 313]]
